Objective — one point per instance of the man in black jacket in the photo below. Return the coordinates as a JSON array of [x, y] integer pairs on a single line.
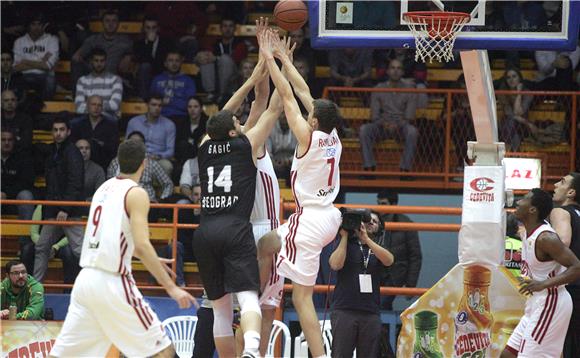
[[64, 182]]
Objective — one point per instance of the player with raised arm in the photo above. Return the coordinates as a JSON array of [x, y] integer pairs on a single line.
[[106, 307], [315, 184], [547, 266]]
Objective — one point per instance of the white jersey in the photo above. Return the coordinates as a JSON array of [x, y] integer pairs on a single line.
[[108, 243], [267, 202], [315, 176], [531, 266]]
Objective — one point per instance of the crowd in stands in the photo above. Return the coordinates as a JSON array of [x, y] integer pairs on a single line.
[[108, 67]]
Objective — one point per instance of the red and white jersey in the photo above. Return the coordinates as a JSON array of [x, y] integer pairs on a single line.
[[531, 266], [108, 243], [267, 202], [315, 176]]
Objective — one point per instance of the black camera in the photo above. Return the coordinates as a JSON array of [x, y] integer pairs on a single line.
[[352, 218]]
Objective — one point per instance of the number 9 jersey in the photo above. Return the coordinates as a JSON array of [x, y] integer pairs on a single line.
[[108, 243]]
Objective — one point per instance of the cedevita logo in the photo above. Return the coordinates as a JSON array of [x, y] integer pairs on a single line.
[[482, 184]]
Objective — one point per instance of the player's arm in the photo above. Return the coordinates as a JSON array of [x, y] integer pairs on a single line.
[[296, 122], [261, 131], [548, 244], [336, 260], [300, 86], [259, 105], [236, 100], [137, 203], [560, 221]]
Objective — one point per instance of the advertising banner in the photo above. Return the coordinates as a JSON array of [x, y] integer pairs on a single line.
[[471, 312], [28, 338], [522, 173]]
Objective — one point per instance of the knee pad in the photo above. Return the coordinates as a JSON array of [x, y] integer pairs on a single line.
[[249, 302], [223, 316]]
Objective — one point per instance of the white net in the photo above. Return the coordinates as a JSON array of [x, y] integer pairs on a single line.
[[435, 34]]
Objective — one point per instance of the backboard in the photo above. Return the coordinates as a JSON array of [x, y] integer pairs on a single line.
[[495, 24]]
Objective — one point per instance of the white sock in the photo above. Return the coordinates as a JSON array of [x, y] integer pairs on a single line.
[[252, 342]]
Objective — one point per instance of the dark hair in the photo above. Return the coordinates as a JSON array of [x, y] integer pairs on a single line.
[[326, 112], [61, 118], [36, 17], [220, 124], [542, 201], [151, 18], [156, 96], [9, 52], [504, 84], [137, 133], [381, 222], [6, 129], [173, 51], [97, 51], [130, 155], [389, 194], [227, 18], [575, 185], [11, 263], [511, 230], [195, 98], [110, 12]]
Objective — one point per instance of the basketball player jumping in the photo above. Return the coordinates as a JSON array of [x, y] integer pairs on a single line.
[[547, 265], [315, 184], [106, 307]]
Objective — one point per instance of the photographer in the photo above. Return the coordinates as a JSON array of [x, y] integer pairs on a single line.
[[359, 258]]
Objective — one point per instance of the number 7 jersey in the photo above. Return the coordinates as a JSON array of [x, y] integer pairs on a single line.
[[315, 176], [108, 243]]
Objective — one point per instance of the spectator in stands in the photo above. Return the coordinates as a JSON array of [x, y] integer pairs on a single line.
[[115, 45], [153, 173], [19, 122], [102, 132], [150, 53], [17, 183], [189, 179], [351, 67], [281, 145], [35, 55], [189, 132], [187, 216], [245, 70], [222, 59], [159, 133], [94, 174], [22, 290], [99, 82], [174, 16], [392, 115], [462, 129], [556, 69], [303, 50], [515, 124], [176, 87], [64, 182], [12, 80], [355, 315], [404, 245], [188, 44]]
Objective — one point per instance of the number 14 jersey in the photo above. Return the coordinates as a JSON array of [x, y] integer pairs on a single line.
[[315, 176]]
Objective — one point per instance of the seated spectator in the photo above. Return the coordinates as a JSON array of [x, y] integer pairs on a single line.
[[115, 45], [188, 216], [159, 133], [150, 53], [281, 145], [190, 131], [188, 44], [413, 71], [35, 55], [245, 70], [351, 67], [153, 173], [515, 124], [303, 51], [94, 174], [189, 179], [17, 183], [64, 182], [12, 80], [222, 59], [17, 121], [22, 290], [101, 132], [175, 87], [99, 82], [174, 16], [556, 69], [392, 116]]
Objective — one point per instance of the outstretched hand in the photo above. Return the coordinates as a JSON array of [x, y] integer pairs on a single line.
[[261, 25], [289, 47]]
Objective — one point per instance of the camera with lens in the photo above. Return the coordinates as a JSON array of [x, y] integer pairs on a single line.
[[352, 218]]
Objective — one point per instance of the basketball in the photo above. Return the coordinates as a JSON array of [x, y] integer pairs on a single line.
[[290, 14]]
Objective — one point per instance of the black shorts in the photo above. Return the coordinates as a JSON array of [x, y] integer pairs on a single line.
[[226, 256]]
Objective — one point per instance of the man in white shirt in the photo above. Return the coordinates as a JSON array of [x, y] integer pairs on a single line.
[[556, 69], [35, 55]]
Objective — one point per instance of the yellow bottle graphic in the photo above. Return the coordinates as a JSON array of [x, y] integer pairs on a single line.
[[474, 319]]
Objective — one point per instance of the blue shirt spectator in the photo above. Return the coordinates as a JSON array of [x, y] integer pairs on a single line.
[[175, 87]]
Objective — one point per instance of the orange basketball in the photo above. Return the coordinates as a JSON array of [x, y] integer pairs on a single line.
[[290, 14]]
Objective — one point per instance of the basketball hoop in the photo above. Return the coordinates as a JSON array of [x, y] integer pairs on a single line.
[[435, 33]]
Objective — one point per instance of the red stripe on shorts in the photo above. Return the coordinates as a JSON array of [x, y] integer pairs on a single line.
[[126, 288], [123, 248]]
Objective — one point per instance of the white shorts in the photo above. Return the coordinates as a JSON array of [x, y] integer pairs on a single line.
[[272, 295], [541, 334], [107, 309], [303, 236]]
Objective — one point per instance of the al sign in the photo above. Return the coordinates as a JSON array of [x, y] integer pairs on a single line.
[[522, 173]]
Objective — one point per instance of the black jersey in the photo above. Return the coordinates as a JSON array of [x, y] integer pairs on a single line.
[[574, 211], [228, 178]]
